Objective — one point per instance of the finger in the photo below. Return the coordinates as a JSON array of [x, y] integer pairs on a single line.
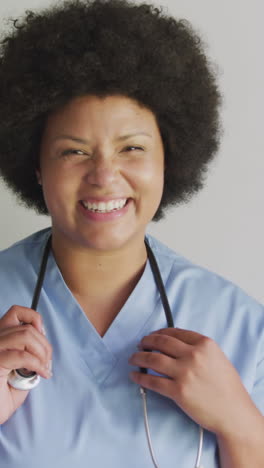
[[27, 338], [152, 382], [168, 345], [18, 314], [26, 330], [15, 359], [158, 362], [187, 336]]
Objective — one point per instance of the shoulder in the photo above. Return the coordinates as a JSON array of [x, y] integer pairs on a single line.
[[23, 250], [165, 255], [19, 266], [199, 286], [213, 306]]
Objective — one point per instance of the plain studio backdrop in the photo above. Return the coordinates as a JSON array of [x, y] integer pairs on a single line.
[[222, 228]]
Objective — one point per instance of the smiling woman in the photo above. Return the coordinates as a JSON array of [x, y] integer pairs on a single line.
[[107, 166], [109, 114]]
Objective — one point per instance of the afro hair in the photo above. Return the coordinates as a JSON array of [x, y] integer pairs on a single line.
[[107, 47]]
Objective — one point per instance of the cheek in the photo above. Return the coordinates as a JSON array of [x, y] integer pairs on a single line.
[[148, 169], [57, 177], [148, 180], [153, 177], [57, 187]]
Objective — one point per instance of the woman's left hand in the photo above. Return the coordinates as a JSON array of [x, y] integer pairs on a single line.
[[198, 378]]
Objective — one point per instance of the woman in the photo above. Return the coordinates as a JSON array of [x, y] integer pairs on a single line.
[[109, 114]]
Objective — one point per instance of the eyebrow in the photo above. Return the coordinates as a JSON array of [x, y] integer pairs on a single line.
[[81, 140]]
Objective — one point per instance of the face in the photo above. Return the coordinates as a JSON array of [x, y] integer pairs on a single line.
[[101, 170]]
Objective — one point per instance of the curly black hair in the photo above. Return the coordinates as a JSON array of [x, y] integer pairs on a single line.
[[103, 48]]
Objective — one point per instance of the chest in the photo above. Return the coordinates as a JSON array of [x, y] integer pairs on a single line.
[[100, 312], [72, 420]]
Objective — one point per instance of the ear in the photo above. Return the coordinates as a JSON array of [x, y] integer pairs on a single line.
[[38, 177]]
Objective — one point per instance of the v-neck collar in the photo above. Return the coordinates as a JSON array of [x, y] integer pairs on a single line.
[[100, 353]]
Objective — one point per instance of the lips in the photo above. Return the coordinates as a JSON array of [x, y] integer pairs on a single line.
[[104, 210], [104, 206]]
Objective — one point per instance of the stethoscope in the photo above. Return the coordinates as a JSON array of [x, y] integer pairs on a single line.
[[24, 379]]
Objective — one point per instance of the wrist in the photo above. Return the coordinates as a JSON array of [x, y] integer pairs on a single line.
[[241, 445], [248, 425]]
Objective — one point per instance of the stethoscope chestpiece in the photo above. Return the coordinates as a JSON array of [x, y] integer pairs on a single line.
[[22, 379]]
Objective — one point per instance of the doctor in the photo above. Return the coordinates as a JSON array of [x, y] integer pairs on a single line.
[[97, 136]]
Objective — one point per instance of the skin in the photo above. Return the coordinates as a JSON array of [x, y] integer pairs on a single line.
[[104, 165]]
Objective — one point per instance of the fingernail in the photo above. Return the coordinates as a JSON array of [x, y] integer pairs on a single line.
[[48, 373], [43, 330], [49, 366]]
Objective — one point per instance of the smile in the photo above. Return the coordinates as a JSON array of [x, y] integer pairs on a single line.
[[104, 207]]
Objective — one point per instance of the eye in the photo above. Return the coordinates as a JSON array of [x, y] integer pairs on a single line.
[[73, 151], [133, 148]]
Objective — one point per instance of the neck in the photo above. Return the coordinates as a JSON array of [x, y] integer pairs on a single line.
[[88, 272]]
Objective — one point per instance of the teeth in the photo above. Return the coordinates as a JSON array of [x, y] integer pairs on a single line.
[[105, 207]]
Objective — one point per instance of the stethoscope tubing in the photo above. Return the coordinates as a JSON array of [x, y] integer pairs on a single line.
[[24, 380]]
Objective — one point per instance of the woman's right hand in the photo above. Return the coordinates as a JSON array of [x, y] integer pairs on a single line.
[[21, 346]]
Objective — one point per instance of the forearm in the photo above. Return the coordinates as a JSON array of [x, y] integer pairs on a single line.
[[244, 447]]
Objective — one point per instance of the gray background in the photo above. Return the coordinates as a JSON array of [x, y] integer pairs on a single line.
[[222, 228]]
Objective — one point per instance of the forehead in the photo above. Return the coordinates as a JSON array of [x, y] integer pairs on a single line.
[[109, 115]]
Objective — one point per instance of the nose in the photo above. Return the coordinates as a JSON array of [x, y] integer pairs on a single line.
[[102, 170]]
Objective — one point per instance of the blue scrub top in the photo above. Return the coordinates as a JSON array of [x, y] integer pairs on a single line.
[[89, 414]]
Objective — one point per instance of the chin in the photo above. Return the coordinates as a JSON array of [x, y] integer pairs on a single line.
[[102, 239], [107, 243]]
